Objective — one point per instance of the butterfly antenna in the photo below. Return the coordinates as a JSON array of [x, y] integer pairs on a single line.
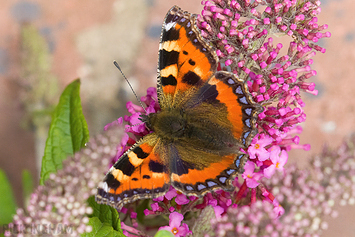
[[136, 124], [118, 67]]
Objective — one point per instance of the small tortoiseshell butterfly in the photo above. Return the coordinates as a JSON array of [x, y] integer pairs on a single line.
[[206, 117]]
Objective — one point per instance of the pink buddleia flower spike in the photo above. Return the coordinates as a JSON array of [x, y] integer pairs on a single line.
[[175, 226]]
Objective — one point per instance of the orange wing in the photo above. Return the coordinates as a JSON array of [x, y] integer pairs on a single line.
[[223, 117], [139, 173], [218, 175], [185, 60]]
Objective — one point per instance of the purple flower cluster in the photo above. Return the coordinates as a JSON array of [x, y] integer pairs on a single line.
[[308, 196], [241, 32]]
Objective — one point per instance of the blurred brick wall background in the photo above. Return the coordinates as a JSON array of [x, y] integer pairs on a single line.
[[84, 37]]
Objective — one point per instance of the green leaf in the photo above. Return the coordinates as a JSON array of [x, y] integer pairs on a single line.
[[7, 200], [104, 220], [68, 131], [27, 185], [101, 229], [105, 213], [164, 233]]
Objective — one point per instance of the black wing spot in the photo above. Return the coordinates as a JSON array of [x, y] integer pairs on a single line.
[[167, 58], [156, 167], [185, 52], [170, 35], [191, 78], [111, 181], [168, 81], [146, 176], [140, 153], [125, 166], [192, 62], [135, 179]]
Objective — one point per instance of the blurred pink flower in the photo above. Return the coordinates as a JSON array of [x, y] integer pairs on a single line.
[[278, 161]]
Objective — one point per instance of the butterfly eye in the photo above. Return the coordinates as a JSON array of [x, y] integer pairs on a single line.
[[148, 120], [143, 118]]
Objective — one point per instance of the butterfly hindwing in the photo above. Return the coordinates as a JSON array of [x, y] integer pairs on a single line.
[[218, 175], [223, 117], [139, 173], [241, 109]]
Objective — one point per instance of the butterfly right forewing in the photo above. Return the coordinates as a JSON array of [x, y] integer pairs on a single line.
[[185, 61]]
